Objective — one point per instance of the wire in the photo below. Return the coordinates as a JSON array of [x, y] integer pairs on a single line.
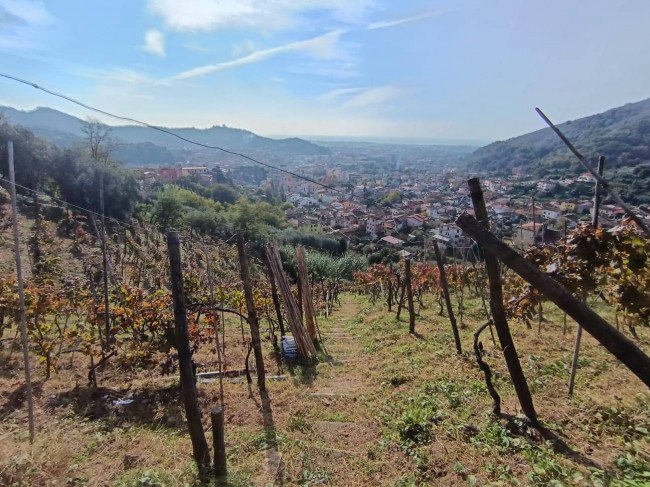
[[169, 132]]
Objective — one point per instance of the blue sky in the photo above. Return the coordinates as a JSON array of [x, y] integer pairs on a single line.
[[464, 69]]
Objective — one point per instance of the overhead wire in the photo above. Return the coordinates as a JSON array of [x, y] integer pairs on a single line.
[[169, 132]]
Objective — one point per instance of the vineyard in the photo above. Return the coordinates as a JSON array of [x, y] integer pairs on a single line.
[[401, 388]]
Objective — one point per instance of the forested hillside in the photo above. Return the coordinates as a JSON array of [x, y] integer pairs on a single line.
[[143, 146], [622, 135]]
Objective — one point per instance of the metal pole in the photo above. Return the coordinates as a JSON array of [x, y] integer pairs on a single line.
[[21, 293], [594, 223]]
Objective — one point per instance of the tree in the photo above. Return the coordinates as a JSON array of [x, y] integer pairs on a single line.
[[98, 137]]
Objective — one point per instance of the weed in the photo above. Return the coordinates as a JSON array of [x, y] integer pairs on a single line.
[[298, 422]]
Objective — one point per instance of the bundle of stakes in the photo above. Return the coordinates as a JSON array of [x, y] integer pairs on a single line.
[[304, 343], [307, 299]]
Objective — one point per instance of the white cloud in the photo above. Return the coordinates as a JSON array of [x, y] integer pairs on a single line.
[[154, 43], [405, 20], [373, 96], [207, 15], [321, 47]]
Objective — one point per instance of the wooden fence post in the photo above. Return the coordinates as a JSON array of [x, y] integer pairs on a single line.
[[409, 292], [608, 336], [193, 412], [594, 223], [252, 312], [498, 312], [21, 293], [445, 291], [218, 441]]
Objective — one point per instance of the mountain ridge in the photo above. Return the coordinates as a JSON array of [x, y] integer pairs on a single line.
[[64, 130]]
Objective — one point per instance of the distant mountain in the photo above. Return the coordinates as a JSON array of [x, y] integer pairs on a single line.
[[621, 134], [142, 145]]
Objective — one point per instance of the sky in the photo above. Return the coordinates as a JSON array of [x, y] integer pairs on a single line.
[[447, 70]]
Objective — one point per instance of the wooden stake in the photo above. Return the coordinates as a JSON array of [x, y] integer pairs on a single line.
[[274, 296], [21, 293], [409, 292], [496, 307], [253, 321], [107, 316], [192, 410], [445, 292], [213, 305], [614, 341], [594, 223], [218, 441]]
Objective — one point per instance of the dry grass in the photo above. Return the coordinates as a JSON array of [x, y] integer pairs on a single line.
[[384, 408]]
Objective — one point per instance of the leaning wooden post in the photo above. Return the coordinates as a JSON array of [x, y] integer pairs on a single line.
[[252, 312], [609, 337], [409, 292], [594, 223], [498, 312], [192, 410], [21, 293], [218, 441], [445, 292]]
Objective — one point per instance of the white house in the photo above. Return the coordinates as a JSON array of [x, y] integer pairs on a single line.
[[550, 212], [374, 226]]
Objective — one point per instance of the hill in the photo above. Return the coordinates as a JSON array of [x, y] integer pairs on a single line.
[[144, 146], [621, 134]]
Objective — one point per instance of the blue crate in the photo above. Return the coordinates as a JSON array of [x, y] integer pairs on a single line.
[[289, 349]]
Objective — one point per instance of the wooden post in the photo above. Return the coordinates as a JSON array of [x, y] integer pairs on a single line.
[[409, 292], [498, 312], [218, 441], [107, 316], [594, 223], [445, 292], [400, 305], [192, 410], [214, 317], [613, 340], [21, 293], [390, 289], [252, 312], [274, 296]]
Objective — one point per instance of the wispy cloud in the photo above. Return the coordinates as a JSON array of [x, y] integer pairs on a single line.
[[154, 43], [337, 94], [373, 96], [21, 23], [320, 47], [208, 15], [405, 20], [121, 75], [356, 97], [28, 11]]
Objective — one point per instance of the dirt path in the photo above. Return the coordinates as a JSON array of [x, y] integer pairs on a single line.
[[338, 389]]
